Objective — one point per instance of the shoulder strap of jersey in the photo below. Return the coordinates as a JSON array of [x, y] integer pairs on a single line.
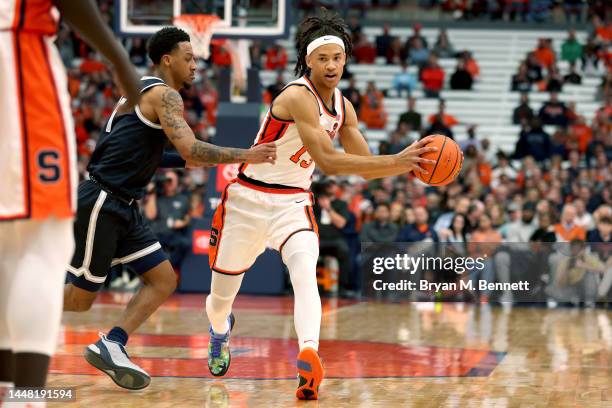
[[149, 82], [298, 82], [339, 106]]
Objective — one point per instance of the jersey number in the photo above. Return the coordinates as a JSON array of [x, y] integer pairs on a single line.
[[296, 158], [48, 163]]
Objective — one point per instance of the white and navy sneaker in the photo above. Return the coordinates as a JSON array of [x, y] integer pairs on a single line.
[[111, 358]]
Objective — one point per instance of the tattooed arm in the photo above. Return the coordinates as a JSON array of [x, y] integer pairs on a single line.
[[168, 105]]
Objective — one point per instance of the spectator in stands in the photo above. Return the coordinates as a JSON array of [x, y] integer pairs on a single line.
[[256, 54], [583, 218], [396, 54], [417, 53], [503, 170], [576, 277], [383, 42], [411, 116], [457, 206], [221, 56], [571, 50], [456, 235], [488, 152], [443, 47], [573, 7], [590, 58], [404, 81], [534, 68], [483, 242], [447, 119], [169, 217], [553, 112], [396, 142], [553, 81], [355, 27], [439, 128], [416, 34], [332, 216], [364, 51], [352, 94], [602, 30], [276, 57], [210, 99], [138, 52], [533, 141], [471, 64], [380, 229], [372, 108], [572, 76], [567, 229], [521, 82], [432, 77], [523, 112], [420, 231], [517, 7], [461, 78], [581, 133], [544, 53], [273, 90]]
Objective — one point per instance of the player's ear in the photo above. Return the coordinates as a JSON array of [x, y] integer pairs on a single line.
[[166, 59], [308, 63]]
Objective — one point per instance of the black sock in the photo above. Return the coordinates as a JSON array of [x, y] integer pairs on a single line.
[[118, 334], [31, 369], [7, 366]]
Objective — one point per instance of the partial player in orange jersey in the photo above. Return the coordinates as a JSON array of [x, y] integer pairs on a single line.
[[38, 175], [271, 205]]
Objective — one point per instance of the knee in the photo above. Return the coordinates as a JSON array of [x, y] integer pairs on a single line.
[[164, 282], [74, 302]]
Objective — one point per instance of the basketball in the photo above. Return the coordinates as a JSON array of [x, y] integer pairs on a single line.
[[449, 159]]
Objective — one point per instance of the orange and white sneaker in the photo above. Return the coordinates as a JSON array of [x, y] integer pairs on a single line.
[[310, 374]]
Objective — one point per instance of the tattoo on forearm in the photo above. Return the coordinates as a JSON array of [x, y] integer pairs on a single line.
[[209, 153], [172, 117]]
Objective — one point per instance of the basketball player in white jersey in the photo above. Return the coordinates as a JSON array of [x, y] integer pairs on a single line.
[[270, 205], [38, 176]]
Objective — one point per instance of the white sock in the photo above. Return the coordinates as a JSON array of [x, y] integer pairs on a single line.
[[223, 291], [300, 254]]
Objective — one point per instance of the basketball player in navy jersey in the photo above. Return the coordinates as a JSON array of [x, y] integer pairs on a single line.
[[109, 229], [272, 205]]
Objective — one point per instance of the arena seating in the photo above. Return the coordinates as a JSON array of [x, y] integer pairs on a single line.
[[490, 103]]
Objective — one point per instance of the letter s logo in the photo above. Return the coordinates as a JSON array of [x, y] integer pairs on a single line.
[[49, 166]]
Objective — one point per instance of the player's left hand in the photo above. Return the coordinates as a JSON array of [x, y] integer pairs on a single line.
[[263, 153]]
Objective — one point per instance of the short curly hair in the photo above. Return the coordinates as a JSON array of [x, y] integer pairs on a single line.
[[311, 28], [164, 42]]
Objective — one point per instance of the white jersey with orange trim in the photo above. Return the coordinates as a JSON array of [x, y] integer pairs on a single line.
[[294, 166]]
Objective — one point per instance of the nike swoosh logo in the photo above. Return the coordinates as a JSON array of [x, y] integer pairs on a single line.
[[301, 201]]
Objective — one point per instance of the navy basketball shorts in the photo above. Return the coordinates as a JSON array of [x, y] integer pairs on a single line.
[[108, 231]]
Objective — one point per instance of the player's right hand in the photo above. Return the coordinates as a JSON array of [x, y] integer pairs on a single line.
[[263, 153], [128, 80], [410, 159]]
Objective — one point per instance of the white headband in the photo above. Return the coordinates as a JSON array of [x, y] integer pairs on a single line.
[[326, 39]]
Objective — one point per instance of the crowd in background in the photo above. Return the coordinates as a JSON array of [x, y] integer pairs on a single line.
[[553, 187]]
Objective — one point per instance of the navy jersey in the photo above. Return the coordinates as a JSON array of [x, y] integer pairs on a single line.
[[129, 150]]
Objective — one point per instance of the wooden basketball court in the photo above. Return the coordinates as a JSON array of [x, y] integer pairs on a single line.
[[376, 354]]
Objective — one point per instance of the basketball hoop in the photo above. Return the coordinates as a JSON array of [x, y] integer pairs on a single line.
[[200, 28]]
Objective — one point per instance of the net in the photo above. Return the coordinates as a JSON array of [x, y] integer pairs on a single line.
[[200, 28]]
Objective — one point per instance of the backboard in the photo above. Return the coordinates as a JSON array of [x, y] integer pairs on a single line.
[[265, 19]]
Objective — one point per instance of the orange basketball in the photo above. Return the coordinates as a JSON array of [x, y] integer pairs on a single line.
[[449, 159]]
